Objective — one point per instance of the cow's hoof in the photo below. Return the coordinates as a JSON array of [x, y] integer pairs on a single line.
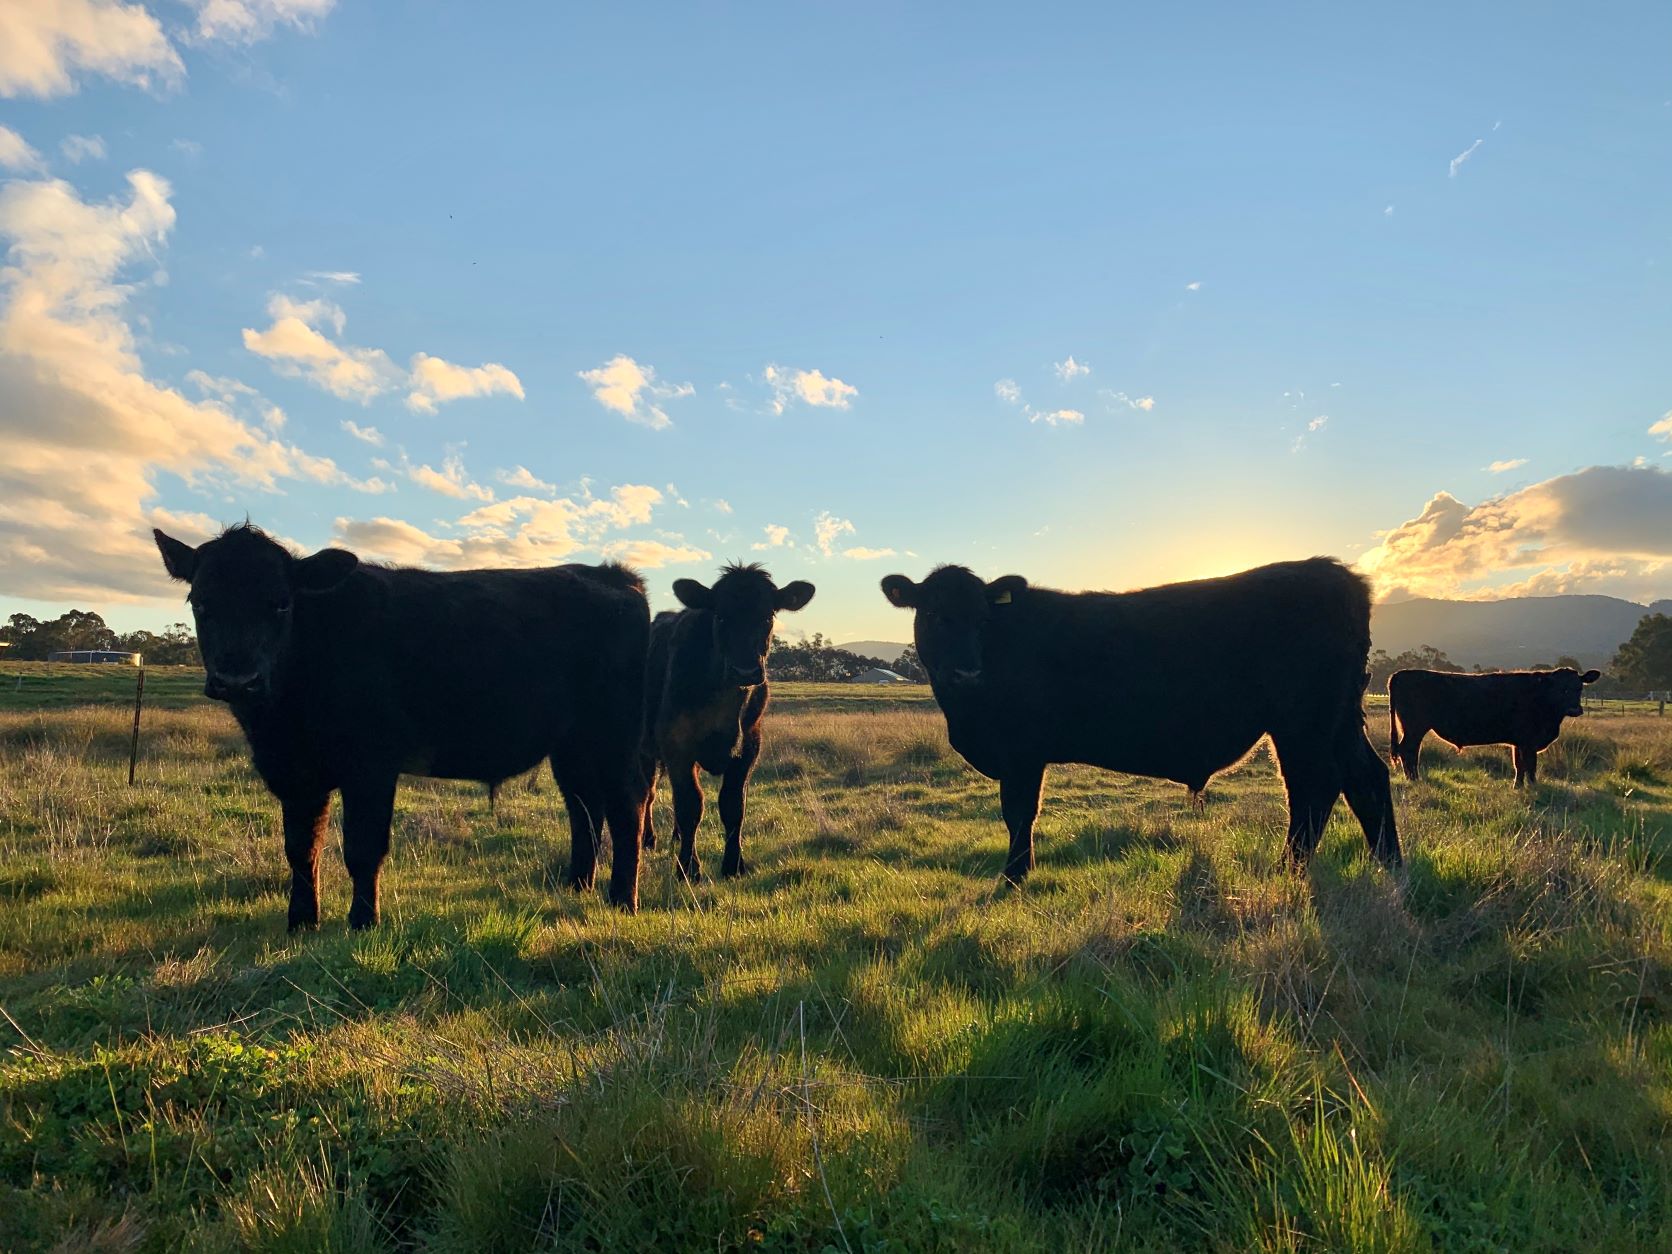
[[690, 872], [360, 922], [303, 924], [730, 869]]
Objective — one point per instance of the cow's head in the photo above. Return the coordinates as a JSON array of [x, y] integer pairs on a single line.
[[243, 586], [953, 607], [741, 608], [1563, 690]]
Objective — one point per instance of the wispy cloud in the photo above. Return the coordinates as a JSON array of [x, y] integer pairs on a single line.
[[251, 21], [1193, 287], [632, 390], [16, 154], [1145, 403], [525, 479], [1460, 158], [451, 480], [1070, 369], [297, 345], [79, 148], [1509, 463], [333, 276], [1663, 426], [1056, 417], [47, 46], [1007, 391], [776, 538], [367, 435]]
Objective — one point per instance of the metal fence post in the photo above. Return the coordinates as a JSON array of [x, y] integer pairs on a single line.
[[133, 747]]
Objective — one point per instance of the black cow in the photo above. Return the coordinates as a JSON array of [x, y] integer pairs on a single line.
[[1522, 709], [705, 694], [345, 675], [1177, 682]]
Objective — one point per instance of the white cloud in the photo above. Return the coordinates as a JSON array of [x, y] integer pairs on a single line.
[[451, 480], [1056, 417], [250, 21], [188, 147], [1007, 391], [1460, 158], [1601, 529], [1318, 423], [776, 538], [86, 433], [79, 148], [524, 478], [1509, 463], [435, 382], [625, 387], [47, 45], [722, 506], [333, 276], [1145, 403], [234, 394], [16, 154], [649, 554], [1193, 287], [861, 553], [1070, 369], [1388, 212], [518, 531], [827, 528], [297, 346], [810, 387], [1662, 427], [367, 435]]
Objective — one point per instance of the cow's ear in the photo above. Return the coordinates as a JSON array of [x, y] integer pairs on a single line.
[[794, 596], [1590, 677], [900, 591], [179, 558], [1003, 590], [323, 571], [691, 594]]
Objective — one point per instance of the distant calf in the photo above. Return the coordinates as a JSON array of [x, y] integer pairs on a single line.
[[1177, 682], [705, 694], [1522, 709], [346, 675]]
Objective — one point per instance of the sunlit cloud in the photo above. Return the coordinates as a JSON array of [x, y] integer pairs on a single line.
[[48, 46], [1144, 403], [523, 478], [1070, 369], [809, 387], [776, 538], [632, 390], [1601, 529], [1663, 426], [1057, 417], [250, 21], [1007, 391], [650, 554], [435, 382], [366, 435], [451, 480], [1507, 464], [297, 345]]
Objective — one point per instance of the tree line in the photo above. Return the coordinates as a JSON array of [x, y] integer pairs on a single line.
[[818, 660], [32, 640], [1641, 664]]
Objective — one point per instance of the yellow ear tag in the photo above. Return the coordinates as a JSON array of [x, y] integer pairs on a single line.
[[1003, 598]]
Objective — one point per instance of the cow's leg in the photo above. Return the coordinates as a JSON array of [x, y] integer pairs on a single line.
[[1313, 784], [1020, 790], [624, 806], [1410, 749], [1526, 766], [368, 810], [1365, 781], [733, 785], [586, 821], [305, 819], [649, 767], [687, 813]]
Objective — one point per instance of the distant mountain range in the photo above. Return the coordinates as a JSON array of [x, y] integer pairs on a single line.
[[1515, 632], [1518, 631]]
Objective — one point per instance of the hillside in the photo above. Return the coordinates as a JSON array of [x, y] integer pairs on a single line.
[[1515, 632], [885, 651]]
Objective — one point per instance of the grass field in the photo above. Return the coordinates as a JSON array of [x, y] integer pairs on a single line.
[[1164, 1041]]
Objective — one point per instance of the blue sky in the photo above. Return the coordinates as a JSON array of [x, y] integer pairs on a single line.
[[1102, 298]]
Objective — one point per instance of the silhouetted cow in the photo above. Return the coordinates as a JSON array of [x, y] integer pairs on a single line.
[[705, 693], [1177, 682], [1521, 709], [345, 675]]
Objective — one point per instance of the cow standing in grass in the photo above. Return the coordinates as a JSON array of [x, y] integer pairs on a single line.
[[1176, 682], [705, 695], [1521, 709], [346, 675]]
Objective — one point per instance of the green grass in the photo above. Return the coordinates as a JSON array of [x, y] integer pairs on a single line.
[[1164, 1041]]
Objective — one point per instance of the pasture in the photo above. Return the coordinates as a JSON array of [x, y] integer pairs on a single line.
[[1164, 1040]]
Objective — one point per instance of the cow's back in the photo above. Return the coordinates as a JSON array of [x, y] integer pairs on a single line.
[[1176, 681], [470, 674], [1465, 710]]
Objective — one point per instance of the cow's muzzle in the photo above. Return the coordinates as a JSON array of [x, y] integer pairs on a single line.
[[251, 687], [747, 676]]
